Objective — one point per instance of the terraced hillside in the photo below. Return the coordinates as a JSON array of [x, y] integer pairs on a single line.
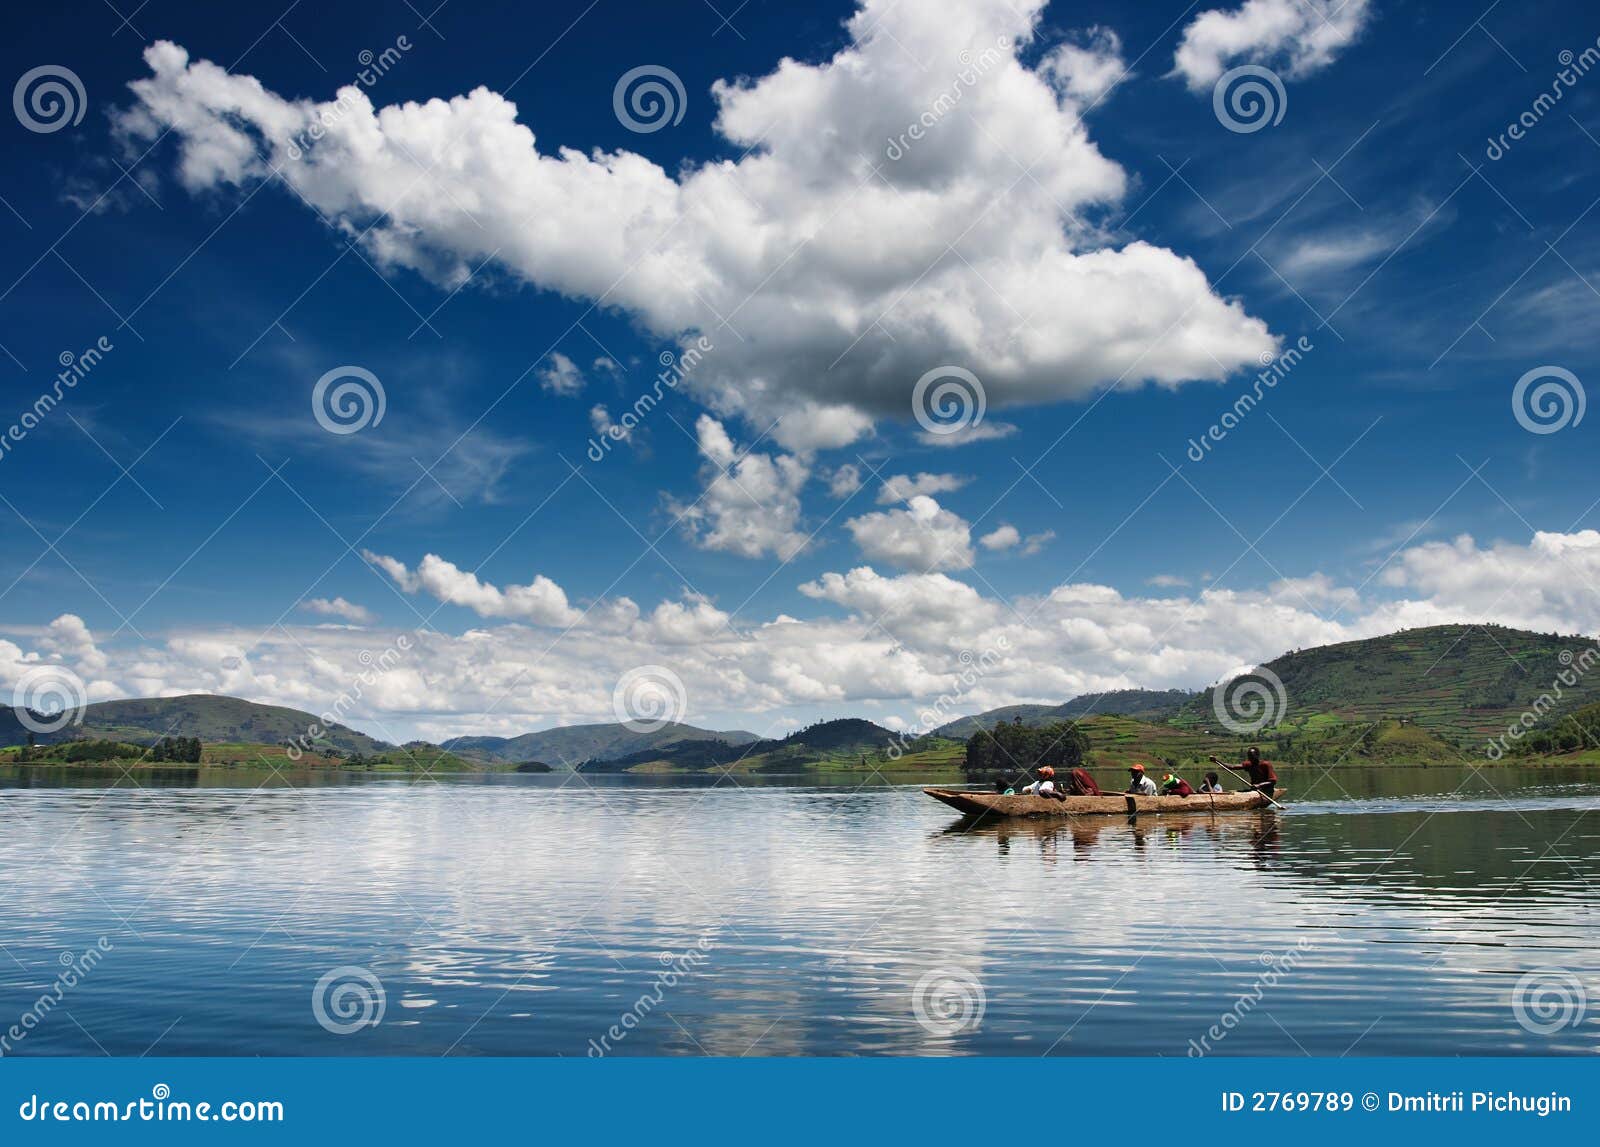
[[1463, 683]]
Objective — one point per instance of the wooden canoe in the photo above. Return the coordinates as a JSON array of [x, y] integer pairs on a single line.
[[971, 803]]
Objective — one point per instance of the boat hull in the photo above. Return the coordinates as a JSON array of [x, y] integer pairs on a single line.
[[1112, 804]]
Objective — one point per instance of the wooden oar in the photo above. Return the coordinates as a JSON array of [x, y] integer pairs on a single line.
[[1236, 775]]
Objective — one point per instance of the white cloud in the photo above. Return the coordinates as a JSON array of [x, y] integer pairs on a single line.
[[987, 431], [751, 503], [1318, 254], [845, 275], [904, 487], [1548, 584], [688, 622], [1033, 543], [1007, 537], [1330, 252], [560, 375], [1001, 539], [1297, 36], [68, 640], [338, 607], [542, 601], [1167, 581], [600, 421], [878, 640], [1086, 71], [844, 480], [921, 537], [816, 426]]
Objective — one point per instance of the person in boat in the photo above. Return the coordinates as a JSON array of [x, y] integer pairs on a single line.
[[1211, 784], [1079, 783], [1173, 785], [1045, 786], [1140, 785], [1262, 776]]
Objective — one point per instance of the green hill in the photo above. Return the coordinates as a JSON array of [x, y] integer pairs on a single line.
[[849, 743], [1462, 683], [1149, 704], [571, 745], [415, 758], [204, 715]]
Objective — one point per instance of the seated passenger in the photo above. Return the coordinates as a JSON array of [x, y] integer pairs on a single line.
[[1211, 784], [1045, 786], [1173, 785], [1080, 784], [1141, 785]]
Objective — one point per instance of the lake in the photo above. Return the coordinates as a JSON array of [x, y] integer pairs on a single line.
[[210, 912]]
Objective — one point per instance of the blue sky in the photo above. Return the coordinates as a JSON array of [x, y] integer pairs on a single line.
[[1369, 223]]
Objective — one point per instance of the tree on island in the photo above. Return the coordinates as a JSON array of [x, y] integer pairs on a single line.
[[183, 750], [1017, 747]]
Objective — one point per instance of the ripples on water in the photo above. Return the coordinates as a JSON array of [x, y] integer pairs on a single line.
[[1397, 910]]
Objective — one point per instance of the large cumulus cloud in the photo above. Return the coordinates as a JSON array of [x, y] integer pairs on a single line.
[[831, 275]]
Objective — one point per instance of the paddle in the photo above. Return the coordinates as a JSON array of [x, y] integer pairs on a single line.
[[1218, 761]]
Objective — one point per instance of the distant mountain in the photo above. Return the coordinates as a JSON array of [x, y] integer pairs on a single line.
[[1146, 704], [842, 743], [212, 718], [570, 745]]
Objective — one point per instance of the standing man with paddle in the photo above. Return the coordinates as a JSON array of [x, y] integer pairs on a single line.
[[1261, 774]]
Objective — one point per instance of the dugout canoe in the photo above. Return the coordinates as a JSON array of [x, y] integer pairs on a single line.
[[970, 803]]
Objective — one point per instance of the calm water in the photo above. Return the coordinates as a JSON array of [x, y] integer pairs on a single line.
[[1387, 912]]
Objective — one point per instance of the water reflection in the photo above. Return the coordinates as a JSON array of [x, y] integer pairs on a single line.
[[530, 915]]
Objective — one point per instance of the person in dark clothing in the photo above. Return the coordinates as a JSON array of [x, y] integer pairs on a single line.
[[1080, 784], [1262, 776]]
